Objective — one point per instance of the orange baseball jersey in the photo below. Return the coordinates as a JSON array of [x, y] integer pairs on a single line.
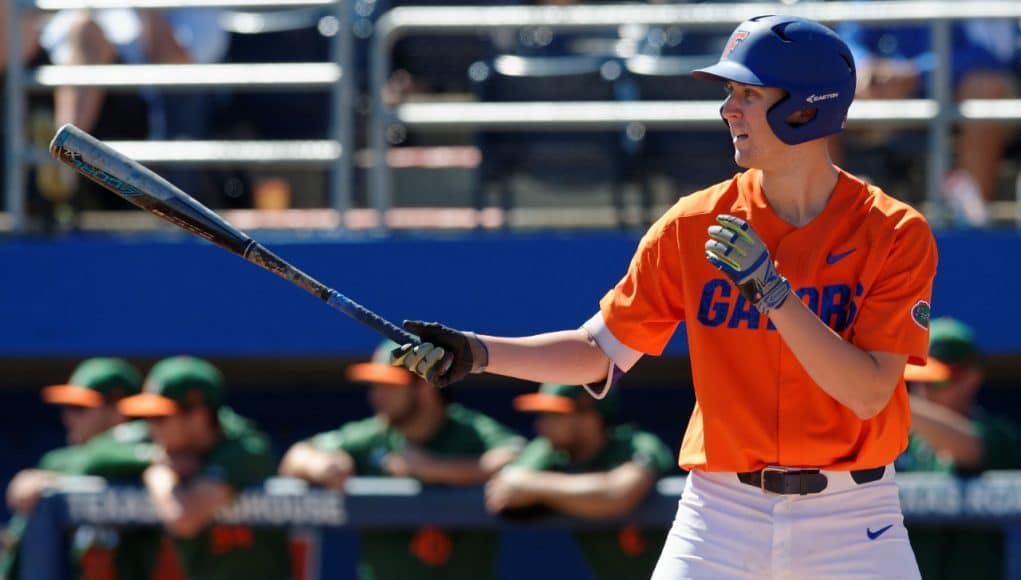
[[865, 266]]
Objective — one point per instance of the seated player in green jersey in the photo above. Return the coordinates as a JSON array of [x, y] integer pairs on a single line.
[[206, 455], [951, 433], [584, 465], [100, 443], [415, 432]]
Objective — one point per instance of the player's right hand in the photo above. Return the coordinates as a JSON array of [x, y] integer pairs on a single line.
[[444, 356]]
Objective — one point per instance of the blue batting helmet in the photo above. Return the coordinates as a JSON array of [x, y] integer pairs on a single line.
[[800, 56]]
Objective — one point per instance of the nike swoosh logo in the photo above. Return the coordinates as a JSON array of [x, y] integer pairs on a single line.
[[834, 258], [873, 535]]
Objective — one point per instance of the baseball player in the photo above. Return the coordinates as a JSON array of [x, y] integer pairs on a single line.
[[805, 291], [205, 455], [102, 444], [585, 464], [415, 432], [952, 433]]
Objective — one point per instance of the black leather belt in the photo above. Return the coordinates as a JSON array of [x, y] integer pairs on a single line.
[[787, 481]]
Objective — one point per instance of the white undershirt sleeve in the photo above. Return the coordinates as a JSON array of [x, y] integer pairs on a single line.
[[622, 357]]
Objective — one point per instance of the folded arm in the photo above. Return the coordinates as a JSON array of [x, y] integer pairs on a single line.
[[860, 380], [606, 494], [185, 508], [948, 432], [451, 470], [326, 468]]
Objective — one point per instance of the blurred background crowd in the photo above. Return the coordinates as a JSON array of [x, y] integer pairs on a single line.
[[156, 423], [639, 166]]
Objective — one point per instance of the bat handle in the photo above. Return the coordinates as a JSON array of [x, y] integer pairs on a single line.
[[371, 319]]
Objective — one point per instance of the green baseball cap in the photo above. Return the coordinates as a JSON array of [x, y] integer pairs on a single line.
[[951, 343], [176, 383], [95, 382], [564, 399], [379, 370]]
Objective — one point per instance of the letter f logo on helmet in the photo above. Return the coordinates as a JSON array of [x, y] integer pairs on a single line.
[[735, 39], [805, 59]]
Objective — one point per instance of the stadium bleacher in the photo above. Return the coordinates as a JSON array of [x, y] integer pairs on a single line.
[[154, 293]]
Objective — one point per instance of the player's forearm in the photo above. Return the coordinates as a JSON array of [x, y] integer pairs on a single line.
[[947, 432], [847, 373], [588, 495], [567, 357], [306, 462], [452, 471], [495, 459]]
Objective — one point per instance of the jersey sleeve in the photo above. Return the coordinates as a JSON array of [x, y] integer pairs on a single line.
[[121, 454], [364, 440], [59, 460], [328, 441], [643, 310], [351, 437], [115, 461], [894, 315], [538, 455]]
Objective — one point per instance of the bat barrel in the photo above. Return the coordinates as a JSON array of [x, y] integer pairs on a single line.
[[142, 187], [139, 185]]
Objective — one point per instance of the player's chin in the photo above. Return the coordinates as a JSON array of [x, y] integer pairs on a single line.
[[742, 159]]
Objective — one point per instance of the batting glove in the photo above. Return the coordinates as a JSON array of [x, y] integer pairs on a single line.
[[736, 249], [445, 355]]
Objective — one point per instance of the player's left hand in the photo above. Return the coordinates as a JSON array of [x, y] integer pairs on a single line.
[[445, 355], [736, 249]]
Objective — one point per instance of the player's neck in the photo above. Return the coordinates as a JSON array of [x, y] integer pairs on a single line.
[[589, 447], [799, 192]]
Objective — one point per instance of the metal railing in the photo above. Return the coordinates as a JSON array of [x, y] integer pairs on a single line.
[[991, 500], [938, 113], [334, 153]]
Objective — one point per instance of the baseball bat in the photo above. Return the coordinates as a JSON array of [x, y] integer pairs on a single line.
[[144, 188]]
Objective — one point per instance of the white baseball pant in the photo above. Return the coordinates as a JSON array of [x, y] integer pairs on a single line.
[[726, 529]]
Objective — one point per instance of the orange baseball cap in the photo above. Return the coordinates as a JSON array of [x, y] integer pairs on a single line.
[[175, 383], [379, 370], [95, 382]]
